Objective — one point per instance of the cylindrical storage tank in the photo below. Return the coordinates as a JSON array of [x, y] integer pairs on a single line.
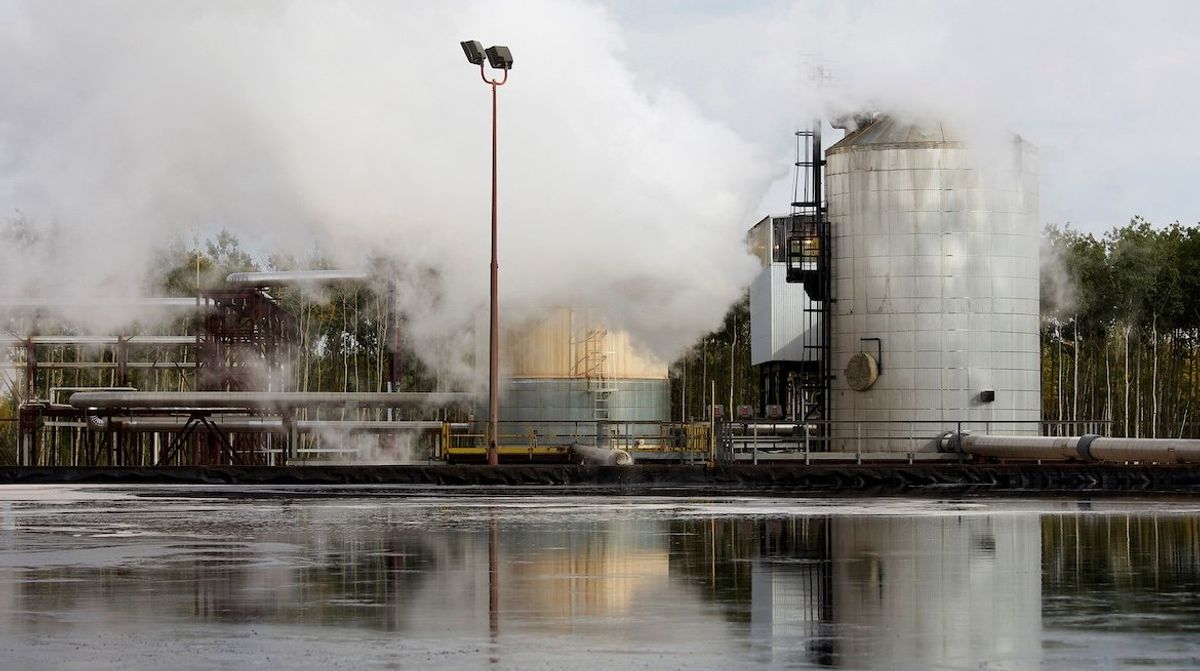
[[935, 274], [570, 378]]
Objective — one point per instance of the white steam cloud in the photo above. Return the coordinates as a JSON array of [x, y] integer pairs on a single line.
[[1104, 89], [637, 139], [359, 129]]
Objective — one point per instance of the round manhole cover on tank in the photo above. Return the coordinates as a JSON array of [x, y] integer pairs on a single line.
[[861, 371]]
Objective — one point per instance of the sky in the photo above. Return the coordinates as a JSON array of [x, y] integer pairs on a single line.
[[639, 140], [1106, 90]]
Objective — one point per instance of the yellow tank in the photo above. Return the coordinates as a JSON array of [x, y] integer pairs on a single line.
[[570, 379], [567, 343]]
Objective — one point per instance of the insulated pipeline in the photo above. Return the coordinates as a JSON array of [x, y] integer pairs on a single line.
[[1088, 447], [265, 425], [258, 400], [292, 277], [601, 456]]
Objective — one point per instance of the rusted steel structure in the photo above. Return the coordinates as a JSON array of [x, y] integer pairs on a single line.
[[242, 341], [245, 343]]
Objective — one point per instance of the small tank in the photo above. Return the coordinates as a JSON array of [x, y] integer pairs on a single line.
[[571, 378]]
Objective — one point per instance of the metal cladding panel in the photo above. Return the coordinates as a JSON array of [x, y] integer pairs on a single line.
[[939, 259], [560, 408], [778, 318], [761, 326], [554, 345]]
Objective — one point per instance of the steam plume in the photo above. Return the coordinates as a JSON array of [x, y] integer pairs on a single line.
[[358, 128]]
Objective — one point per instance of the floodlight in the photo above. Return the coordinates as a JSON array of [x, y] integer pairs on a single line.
[[500, 57], [474, 51]]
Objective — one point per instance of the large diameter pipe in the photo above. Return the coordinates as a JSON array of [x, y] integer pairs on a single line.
[[1080, 448], [1169, 450], [600, 456], [97, 340], [1051, 448], [264, 425], [170, 400], [768, 428], [289, 277], [105, 302]]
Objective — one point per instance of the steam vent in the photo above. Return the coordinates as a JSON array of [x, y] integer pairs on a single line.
[[935, 280]]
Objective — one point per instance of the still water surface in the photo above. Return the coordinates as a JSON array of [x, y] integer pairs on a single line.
[[202, 578]]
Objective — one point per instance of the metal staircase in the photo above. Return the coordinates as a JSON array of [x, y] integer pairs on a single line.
[[595, 371]]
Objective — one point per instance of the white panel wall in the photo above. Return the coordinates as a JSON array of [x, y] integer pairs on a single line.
[[777, 317], [940, 261]]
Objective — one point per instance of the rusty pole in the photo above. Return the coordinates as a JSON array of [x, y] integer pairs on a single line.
[[493, 456]]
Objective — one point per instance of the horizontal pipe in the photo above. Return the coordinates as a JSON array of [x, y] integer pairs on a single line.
[[1018, 447], [1080, 448], [97, 340], [767, 429], [104, 365], [92, 304], [168, 400], [290, 277], [264, 425], [55, 391], [374, 426], [601, 456]]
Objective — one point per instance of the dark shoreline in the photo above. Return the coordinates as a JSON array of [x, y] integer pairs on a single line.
[[866, 479]]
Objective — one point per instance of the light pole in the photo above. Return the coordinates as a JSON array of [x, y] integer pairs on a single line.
[[500, 58]]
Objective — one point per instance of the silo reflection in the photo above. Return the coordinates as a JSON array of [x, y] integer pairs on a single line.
[[960, 590]]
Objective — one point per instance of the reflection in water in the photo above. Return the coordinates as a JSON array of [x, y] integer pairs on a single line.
[[592, 571], [523, 583], [1123, 572], [947, 590]]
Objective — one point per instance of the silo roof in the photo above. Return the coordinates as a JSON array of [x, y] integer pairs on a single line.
[[889, 131]]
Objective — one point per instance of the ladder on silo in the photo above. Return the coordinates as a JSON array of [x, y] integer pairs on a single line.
[[595, 372], [809, 262]]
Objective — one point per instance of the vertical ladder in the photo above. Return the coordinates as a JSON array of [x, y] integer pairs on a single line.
[[809, 261], [594, 366]]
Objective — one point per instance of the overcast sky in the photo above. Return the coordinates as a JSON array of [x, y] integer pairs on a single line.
[[1107, 90]]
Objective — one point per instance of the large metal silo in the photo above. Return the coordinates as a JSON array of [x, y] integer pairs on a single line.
[[935, 278]]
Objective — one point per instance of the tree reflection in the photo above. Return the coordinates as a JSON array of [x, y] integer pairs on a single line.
[[1099, 566]]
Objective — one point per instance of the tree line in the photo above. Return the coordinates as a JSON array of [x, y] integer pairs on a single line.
[[1121, 328]]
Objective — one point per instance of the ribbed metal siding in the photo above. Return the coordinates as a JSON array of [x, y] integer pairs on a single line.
[[564, 406], [942, 264], [777, 317]]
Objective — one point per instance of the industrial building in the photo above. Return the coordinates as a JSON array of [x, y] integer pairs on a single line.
[[895, 318], [913, 303], [223, 390]]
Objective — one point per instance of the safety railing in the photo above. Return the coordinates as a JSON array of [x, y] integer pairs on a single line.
[[555, 437], [861, 440]]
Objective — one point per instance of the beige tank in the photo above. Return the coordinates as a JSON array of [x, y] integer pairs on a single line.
[[570, 343], [566, 366]]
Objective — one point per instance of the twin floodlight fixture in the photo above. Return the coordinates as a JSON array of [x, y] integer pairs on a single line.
[[500, 58]]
